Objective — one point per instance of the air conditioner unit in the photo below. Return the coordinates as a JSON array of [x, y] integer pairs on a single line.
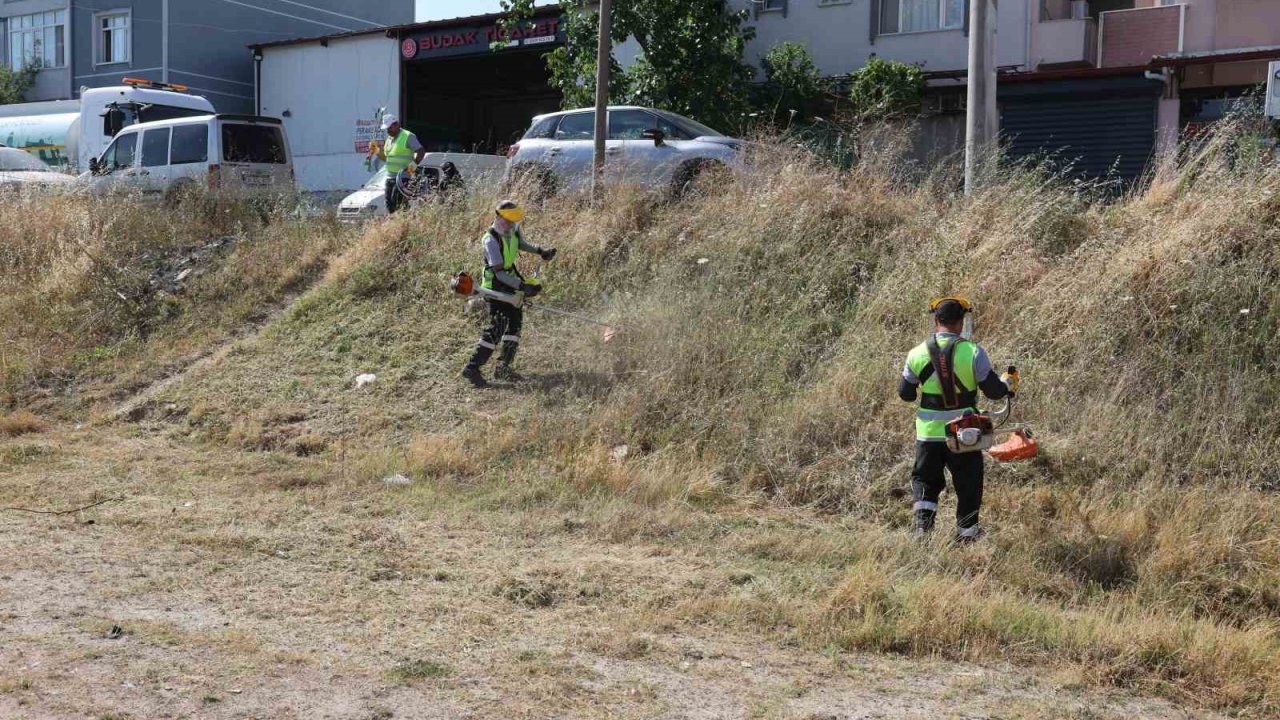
[[1273, 90]]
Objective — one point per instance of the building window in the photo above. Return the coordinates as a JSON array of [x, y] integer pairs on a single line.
[[1063, 10], [112, 39], [761, 7], [39, 38], [1097, 7], [903, 16]]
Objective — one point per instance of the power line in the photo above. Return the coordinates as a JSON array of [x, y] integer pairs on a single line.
[[294, 17], [318, 9], [137, 19]]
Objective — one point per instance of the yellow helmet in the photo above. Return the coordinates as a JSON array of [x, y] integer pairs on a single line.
[[962, 302], [510, 210]]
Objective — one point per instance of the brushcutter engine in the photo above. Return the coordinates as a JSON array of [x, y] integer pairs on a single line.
[[971, 432], [978, 431], [465, 285]]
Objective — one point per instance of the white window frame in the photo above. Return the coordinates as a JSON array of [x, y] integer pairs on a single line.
[[780, 6], [942, 19], [10, 32], [99, 45]]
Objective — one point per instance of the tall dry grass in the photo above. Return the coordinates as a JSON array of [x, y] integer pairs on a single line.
[[764, 320], [79, 295]]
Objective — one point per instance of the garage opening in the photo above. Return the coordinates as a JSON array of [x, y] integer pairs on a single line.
[[476, 103]]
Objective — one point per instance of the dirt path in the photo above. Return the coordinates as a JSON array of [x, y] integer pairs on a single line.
[[134, 407], [247, 585]]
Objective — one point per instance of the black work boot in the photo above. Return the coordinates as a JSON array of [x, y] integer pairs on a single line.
[[474, 376], [923, 524], [505, 372]]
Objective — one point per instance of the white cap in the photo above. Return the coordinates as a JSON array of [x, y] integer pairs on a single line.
[[388, 120]]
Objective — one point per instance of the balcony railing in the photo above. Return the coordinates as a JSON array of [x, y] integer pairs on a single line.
[[1066, 43], [1132, 37]]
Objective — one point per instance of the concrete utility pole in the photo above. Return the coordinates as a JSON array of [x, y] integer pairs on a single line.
[[603, 50], [164, 41], [982, 124]]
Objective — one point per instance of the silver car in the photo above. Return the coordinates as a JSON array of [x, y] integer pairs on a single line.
[[650, 147], [21, 170]]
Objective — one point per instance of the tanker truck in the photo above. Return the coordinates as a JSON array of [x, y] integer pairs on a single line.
[[67, 134]]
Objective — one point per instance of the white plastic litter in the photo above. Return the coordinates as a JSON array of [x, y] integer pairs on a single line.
[[364, 379]]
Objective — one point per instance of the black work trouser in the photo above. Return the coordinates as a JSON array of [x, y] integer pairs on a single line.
[[505, 322], [927, 481], [395, 198]]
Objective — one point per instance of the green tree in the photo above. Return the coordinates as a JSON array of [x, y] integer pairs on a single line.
[[692, 60], [14, 84], [884, 89], [792, 79]]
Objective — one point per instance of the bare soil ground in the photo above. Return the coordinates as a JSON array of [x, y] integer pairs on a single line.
[[234, 584]]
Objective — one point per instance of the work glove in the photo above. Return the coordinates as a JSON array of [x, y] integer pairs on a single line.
[[1011, 380], [547, 254], [529, 290]]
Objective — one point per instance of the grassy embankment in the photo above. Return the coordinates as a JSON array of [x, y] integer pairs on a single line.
[[1142, 548]]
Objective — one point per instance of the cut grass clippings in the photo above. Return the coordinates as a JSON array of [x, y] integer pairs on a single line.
[[21, 422]]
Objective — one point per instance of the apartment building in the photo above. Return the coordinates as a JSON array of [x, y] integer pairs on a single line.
[[1100, 83], [199, 43]]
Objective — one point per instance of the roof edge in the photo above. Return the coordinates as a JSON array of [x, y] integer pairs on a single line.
[[389, 30]]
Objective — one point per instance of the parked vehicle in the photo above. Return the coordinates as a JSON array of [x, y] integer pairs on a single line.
[[238, 153], [23, 171], [472, 169], [69, 133], [646, 146]]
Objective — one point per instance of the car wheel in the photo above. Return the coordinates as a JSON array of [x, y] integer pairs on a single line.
[[178, 193], [687, 176], [536, 180]]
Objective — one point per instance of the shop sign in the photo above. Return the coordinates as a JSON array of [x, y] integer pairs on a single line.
[[474, 40], [366, 129]]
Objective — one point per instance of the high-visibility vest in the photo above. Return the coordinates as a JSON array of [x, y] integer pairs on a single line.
[[398, 153], [932, 416], [510, 253]]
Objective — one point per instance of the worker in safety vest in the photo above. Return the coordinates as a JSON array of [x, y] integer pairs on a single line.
[[400, 150], [502, 244], [946, 371]]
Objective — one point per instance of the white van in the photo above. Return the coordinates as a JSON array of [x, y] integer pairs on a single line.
[[239, 153]]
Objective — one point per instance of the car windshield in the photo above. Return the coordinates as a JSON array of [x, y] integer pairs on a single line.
[[12, 160], [378, 181], [693, 127]]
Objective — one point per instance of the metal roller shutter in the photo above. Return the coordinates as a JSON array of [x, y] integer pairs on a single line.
[[1100, 127]]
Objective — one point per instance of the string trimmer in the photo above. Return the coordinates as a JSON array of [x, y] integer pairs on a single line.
[[465, 285], [977, 431]]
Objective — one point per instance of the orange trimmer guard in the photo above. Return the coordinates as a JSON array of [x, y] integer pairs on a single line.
[[1019, 446]]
